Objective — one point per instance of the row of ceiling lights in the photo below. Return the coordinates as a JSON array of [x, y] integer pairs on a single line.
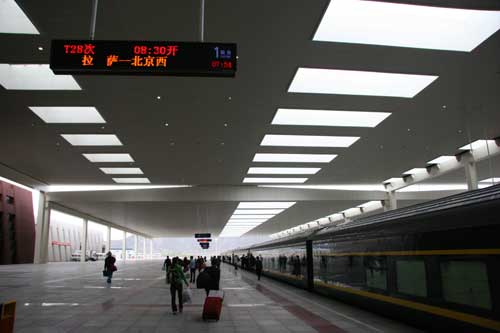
[[90, 115], [249, 215], [387, 24], [41, 77]]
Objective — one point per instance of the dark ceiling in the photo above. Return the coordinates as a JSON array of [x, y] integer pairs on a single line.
[[274, 38]]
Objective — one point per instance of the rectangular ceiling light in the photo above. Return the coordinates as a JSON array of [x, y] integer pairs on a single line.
[[68, 114], [348, 82], [304, 117], [414, 171], [282, 171], [247, 221], [404, 25], [13, 20], [274, 180], [477, 144], [257, 211], [308, 140], [442, 159], [34, 77], [250, 216], [108, 158], [92, 139], [294, 158], [266, 204], [122, 171], [131, 180]]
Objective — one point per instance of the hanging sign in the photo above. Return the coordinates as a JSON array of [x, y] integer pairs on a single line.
[[143, 58]]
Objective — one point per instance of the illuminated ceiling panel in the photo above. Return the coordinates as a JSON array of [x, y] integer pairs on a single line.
[[405, 25]]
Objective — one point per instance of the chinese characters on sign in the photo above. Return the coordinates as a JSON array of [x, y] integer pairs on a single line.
[[144, 57]]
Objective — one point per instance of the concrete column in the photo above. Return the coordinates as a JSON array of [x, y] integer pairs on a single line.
[[124, 246], [109, 240], [42, 230], [136, 247], [470, 172], [84, 240], [151, 249], [391, 202], [143, 248]]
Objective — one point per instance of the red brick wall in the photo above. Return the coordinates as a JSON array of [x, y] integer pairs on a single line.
[[17, 225]]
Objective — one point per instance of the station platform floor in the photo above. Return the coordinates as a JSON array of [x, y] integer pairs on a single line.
[[74, 297]]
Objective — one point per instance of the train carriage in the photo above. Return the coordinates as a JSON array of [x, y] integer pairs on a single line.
[[435, 265]]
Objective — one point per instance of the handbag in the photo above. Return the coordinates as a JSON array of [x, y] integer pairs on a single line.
[[105, 273], [113, 268], [186, 296]]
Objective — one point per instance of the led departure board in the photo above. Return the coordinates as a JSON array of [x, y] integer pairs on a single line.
[[143, 58]]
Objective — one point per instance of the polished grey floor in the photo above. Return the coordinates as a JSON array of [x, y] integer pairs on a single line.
[[73, 297]]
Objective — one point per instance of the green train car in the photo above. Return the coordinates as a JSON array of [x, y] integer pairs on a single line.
[[435, 265]]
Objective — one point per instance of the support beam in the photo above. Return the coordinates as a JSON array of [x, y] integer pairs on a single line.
[[391, 202], [42, 230], [470, 171], [124, 246], [109, 240], [143, 248], [85, 228], [151, 249], [136, 247]]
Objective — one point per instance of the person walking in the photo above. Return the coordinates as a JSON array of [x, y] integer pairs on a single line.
[[166, 267], [258, 267], [192, 270], [109, 266], [176, 276]]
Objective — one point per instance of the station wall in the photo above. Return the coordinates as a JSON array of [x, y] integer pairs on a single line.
[[65, 237], [17, 225]]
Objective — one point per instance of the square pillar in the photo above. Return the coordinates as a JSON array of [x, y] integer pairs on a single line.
[[143, 248], [151, 249], [136, 247], [84, 240], [109, 240], [42, 230], [124, 246]]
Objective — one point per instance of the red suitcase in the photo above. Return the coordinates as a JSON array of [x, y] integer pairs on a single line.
[[213, 305]]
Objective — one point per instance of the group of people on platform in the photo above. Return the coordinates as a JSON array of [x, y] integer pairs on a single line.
[[248, 262], [176, 270]]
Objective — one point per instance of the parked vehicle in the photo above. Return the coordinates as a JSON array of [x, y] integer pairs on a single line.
[[89, 255]]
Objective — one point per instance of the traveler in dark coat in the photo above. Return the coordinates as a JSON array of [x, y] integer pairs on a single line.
[[109, 265], [166, 267], [258, 267]]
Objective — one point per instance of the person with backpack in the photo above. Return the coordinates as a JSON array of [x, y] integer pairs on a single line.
[[109, 266], [176, 276]]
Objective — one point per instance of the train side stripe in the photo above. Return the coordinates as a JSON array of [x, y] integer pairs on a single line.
[[415, 253], [472, 319]]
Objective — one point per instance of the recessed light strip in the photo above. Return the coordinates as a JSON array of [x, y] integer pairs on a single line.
[[349, 82], [294, 158], [406, 25], [303, 117]]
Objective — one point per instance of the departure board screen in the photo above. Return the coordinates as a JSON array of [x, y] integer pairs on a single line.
[[143, 58]]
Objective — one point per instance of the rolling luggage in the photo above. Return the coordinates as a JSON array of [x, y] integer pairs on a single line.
[[213, 305]]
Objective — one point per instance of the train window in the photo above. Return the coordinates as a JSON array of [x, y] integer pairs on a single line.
[[376, 272], [466, 282], [411, 277]]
